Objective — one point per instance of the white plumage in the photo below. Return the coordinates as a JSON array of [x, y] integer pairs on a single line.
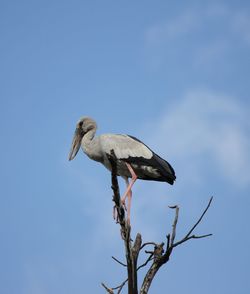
[[124, 146]]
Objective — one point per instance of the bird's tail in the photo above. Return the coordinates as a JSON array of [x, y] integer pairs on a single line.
[[165, 169]]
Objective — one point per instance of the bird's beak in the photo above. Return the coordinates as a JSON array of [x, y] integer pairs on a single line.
[[76, 143]]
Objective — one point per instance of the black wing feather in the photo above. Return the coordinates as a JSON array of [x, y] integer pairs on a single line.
[[165, 169]]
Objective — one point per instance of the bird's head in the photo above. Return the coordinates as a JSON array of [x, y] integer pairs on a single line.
[[83, 126]]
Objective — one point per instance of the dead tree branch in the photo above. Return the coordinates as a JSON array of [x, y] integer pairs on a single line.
[[132, 249], [160, 253], [171, 244]]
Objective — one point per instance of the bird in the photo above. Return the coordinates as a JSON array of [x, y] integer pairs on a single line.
[[134, 159]]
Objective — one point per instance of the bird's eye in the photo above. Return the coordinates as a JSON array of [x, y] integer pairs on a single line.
[[80, 124]]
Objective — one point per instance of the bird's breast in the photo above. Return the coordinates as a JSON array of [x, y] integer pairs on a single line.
[[92, 149]]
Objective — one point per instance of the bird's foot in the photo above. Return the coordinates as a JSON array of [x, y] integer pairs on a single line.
[[123, 203]]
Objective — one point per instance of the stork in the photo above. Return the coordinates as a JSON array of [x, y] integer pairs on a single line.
[[134, 159]]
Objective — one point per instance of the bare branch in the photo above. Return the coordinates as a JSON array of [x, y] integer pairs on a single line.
[[149, 252], [201, 236], [174, 225], [146, 262], [199, 220], [109, 290], [161, 258], [120, 286], [190, 237], [121, 263], [168, 241], [147, 243], [137, 245]]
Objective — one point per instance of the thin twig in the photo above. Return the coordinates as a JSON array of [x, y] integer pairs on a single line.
[[109, 290], [121, 263], [174, 225], [124, 282], [147, 243], [199, 220], [190, 237], [120, 286], [161, 258], [149, 252], [147, 261]]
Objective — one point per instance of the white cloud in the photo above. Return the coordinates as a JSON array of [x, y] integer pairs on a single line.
[[205, 128], [193, 20], [204, 35]]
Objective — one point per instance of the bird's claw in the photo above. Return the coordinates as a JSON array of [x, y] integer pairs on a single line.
[[123, 203]]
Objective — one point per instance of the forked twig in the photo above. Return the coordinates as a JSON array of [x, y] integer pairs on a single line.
[[171, 244]]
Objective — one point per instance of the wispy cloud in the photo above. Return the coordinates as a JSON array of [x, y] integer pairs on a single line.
[[207, 127], [182, 24], [203, 34]]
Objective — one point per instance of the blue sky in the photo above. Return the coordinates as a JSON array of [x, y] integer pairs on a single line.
[[174, 74]]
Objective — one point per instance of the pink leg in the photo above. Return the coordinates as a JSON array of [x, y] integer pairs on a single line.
[[123, 199], [129, 205], [128, 192]]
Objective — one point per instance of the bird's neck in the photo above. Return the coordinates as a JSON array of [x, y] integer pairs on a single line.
[[88, 137], [90, 145]]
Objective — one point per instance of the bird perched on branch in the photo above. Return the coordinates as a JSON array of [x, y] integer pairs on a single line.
[[134, 159]]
